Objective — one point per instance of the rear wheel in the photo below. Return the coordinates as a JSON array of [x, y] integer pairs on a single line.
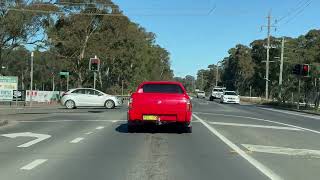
[[70, 104], [109, 104], [185, 128]]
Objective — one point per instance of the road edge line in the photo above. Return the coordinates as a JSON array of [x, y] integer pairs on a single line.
[[266, 171]]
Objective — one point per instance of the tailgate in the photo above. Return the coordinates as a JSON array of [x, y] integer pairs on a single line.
[[160, 104]]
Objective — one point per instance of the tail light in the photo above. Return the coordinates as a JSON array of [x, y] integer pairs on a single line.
[[189, 105], [130, 103]]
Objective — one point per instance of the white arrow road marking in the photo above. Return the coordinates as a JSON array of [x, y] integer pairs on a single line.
[[99, 127], [262, 168], [76, 140], [256, 126], [33, 164], [282, 150], [40, 137]]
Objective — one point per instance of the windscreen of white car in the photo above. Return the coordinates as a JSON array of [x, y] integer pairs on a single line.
[[230, 93], [218, 90], [162, 88]]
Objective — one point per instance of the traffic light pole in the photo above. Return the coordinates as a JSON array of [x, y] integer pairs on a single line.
[[94, 79]]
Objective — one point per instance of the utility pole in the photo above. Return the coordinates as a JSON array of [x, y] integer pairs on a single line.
[[281, 67], [202, 80], [268, 53], [217, 75], [122, 87], [268, 57], [31, 79]]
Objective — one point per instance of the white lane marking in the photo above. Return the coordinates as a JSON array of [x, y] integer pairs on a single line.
[[256, 126], [265, 120], [114, 121], [88, 133], [40, 137], [99, 127], [33, 164], [266, 171], [54, 121], [282, 150], [292, 113], [76, 140]]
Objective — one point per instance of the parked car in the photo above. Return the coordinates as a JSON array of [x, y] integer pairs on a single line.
[[201, 94], [160, 103], [230, 97], [216, 93], [88, 97]]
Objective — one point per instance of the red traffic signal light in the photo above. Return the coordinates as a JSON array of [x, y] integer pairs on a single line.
[[94, 64], [305, 70]]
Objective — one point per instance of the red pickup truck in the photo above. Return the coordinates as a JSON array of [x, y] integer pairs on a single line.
[[160, 102]]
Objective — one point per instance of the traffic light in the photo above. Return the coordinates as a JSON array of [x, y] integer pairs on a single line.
[[305, 70], [297, 69], [94, 64]]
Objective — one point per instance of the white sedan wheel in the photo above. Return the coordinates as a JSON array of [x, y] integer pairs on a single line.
[[109, 104], [70, 104]]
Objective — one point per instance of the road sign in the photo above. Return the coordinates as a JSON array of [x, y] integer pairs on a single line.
[[40, 137], [62, 73]]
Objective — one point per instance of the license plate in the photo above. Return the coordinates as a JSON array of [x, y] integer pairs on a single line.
[[150, 118]]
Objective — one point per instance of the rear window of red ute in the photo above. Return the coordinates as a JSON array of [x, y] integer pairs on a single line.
[[162, 88]]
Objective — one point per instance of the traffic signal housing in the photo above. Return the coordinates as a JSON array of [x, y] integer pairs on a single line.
[[305, 71], [94, 64], [297, 69]]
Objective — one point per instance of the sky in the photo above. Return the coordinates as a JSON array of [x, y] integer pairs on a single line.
[[199, 33]]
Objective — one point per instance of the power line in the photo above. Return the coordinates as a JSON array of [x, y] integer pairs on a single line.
[[298, 13], [301, 6]]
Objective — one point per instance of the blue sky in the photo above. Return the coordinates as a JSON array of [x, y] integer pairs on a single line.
[[196, 39]]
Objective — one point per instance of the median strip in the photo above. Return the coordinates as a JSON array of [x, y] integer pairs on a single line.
[[33, 164]]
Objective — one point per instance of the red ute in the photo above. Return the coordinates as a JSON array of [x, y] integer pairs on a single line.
[[160, 102]]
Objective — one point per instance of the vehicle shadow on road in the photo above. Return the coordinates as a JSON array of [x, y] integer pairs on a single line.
[[151, 129]]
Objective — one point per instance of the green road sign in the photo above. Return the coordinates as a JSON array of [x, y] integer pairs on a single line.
[[64, 73]]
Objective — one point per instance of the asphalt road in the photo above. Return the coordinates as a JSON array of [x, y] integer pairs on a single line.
[[228, 142]]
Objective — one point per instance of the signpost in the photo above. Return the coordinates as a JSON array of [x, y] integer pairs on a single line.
[[65, 73]]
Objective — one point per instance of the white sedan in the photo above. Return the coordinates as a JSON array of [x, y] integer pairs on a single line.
[[230, 97], [87, 97]]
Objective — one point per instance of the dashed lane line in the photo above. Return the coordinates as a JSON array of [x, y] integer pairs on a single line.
[[88, 133], [265, 170], [76, 140], [33, 164], [99, 127], [255, 126]]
